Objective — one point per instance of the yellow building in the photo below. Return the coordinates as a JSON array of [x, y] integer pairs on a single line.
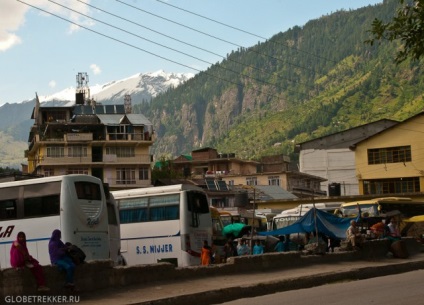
[[392, 161], [98, 140]]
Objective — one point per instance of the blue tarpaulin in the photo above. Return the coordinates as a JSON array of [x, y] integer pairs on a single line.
[[326, 223]]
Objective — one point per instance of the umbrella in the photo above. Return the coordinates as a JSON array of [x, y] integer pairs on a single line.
[[235, 230]]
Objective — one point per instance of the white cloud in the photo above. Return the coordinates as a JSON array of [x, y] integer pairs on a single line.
[[52, 84], [8, 41], [12, 17], [96, 69]]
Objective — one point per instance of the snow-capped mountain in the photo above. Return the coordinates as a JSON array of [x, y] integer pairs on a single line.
[[15, 118], [139, 87]]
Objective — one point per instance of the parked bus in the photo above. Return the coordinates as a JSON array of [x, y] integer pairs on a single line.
[[288, 217], [74, 204], [218, 239], [114, 228], [379, 207], [163, 224], [228, 217]]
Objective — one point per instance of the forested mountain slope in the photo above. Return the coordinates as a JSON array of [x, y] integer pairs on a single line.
[[304, 83]]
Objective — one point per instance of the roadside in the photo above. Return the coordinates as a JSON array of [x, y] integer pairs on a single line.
[[217, 289]]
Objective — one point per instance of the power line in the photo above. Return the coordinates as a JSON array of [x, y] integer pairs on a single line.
[[164, 46], [250, 49], [244, 31], [138, 48], [189, 44]]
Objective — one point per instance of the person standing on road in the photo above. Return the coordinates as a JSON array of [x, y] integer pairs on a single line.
[[279, 247], [258, 248], [229, 250], [205, 256], [242, 248]]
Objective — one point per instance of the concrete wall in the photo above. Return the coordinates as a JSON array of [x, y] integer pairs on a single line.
[[99, 275]]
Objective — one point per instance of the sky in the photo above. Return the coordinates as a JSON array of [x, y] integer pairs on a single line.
[[43, 50]]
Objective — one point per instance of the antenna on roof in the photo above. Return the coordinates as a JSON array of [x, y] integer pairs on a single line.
[[82, 94], [127, 103]]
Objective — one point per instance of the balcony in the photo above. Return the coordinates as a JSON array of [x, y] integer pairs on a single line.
[[125, 184], [129, 136]]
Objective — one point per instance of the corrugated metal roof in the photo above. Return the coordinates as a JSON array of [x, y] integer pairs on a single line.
[[110, 119], [116, 119], [138, 119], [273, 192]]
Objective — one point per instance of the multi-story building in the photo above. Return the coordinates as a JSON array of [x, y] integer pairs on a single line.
[[208, 164], [392, 161], [100, 140]]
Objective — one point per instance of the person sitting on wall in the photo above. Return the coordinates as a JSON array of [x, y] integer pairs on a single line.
[[393, 232], [355, 237], [378, 229], [20, 258]]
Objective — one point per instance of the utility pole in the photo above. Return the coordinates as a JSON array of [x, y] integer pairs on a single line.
[[253, 220]]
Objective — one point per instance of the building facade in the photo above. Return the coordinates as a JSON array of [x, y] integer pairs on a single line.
[[330, 157], [392, 161], [208, 164], [99, 140]]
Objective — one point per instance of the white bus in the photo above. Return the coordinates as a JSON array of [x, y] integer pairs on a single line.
[[114, 228], [163, 224], [288, 217], [74, 204]]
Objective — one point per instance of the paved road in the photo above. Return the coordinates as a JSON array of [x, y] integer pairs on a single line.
[[218, 289], [404, 288]]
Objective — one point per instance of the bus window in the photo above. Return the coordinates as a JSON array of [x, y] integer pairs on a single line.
[[88, 191], [42, 206], [164, 207], [8, 209], [197, 203], [133, 210]]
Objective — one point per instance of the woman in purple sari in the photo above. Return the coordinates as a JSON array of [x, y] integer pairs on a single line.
[[20, 258], [59, 256]]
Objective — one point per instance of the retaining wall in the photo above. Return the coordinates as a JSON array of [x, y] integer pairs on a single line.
[[98, 275]]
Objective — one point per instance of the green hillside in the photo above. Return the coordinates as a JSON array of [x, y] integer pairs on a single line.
[[304, 83]]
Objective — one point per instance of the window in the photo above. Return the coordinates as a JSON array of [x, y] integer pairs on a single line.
[[121, 151], [164, 207], [388, 186], [157, 208], [76, 170], [41, 206], [55, 151], [252, 181], [48, 172], [88, 190], [54, 115], [274, 180], [125, 176], [77, 151], [389, 155], [143, 173], [8, 209]]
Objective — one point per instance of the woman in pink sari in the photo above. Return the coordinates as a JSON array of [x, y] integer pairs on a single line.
[[20, 258]]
